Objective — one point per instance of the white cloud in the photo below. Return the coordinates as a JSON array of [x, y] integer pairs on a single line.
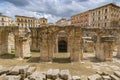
[[51, 9]]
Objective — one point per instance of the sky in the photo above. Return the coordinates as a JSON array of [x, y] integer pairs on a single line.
[[53, 10]]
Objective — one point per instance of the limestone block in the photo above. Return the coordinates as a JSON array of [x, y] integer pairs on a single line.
[[37, 76], [2, 77], [95, 77], [106, 77], [19, 70], [117, 73], [76, 78], [52, 74], [13, 77], [64, 74], [31, 70], [113, 77]]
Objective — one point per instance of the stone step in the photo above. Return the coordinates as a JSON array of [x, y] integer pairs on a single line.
[[114, 77]]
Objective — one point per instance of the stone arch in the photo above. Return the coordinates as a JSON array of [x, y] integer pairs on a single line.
[[48, 39]]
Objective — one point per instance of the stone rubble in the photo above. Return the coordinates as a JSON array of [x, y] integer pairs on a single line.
[[29, 72]]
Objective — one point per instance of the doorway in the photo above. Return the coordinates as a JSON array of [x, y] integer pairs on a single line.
[[62, 46]]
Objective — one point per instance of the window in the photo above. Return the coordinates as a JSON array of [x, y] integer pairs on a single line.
[[98, 18], [22, 25], [105, 24], [93, 14], [2, 19], [93, 19], [98, 24], [105, 17], [2, 24], [21, 20], [106, 10], [18, 24], [99, 12], [18, 20]]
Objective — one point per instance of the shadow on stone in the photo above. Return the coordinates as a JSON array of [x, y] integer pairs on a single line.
[[92, 59], [61, 60], [7, 56], [34, 60]]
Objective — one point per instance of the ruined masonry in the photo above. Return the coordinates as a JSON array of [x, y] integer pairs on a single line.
[[49, 39]]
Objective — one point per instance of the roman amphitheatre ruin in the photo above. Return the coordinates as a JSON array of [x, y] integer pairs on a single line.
[[51, 40]]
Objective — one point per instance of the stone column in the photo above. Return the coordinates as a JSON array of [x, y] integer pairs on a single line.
[[77, 46], [0, 43], [46, 48], [104, 48], [22, 43], [4, 42], [22, 47], [118, 47]]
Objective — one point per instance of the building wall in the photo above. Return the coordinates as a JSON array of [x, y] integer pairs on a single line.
[[23, 21], [81, 19], [5, 20], [63, 22], [43, 22], [105, 16]]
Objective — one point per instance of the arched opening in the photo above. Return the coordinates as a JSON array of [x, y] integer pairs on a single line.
[[62, 46]]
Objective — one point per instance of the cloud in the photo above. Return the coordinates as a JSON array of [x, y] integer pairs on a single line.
[[51, 9]]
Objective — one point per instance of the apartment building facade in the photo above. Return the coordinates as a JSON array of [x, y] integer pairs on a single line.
[[63, 22], [104, 16], [5, 20], [23, 21], [81, 19]]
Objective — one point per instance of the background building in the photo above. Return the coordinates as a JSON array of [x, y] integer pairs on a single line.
[[23, 21], [5, 20], [43, 22], [81, 19], [63, 22], [105, 16]]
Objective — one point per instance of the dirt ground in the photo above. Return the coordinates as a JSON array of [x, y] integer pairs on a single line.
[[88, 66]]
